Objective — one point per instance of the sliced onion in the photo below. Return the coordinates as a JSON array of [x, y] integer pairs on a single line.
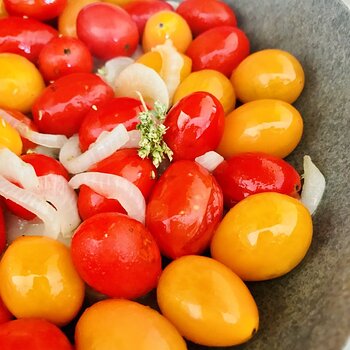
[[210, 160], [114, 187], [174, 4], [47, 140], [313, 187], [112, 68], [106, 144], [134, 139], [138, 78], [51, 152], [56, 190], [14, 169], [35, 204]]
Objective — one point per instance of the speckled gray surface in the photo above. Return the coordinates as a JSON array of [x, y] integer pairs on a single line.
[[309, 308]]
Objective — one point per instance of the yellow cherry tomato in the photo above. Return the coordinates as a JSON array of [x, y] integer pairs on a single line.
[[68, 18], [124, 325], [166, 25], [269, 74], [210, 81], [38, 279], [10, 138], [3, 12], [121, 2], [263, 237], [269, 126], [20, 82], [207, 303]]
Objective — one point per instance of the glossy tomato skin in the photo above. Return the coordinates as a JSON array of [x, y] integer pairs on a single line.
[[195, 125], [63, 56], [2, 230], [116, 255], [203, 15], [25, 36], [184, 209], [125, 163], [119, 110], [107, 30], [221, 48], [140, 11], [250, 173], [62, 106], [32, 334], [41, 10]]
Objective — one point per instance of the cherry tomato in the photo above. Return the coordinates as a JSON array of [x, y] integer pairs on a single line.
[[20, 82], [268, 126], [129, 325], [119, 110], [67, 21], [10, 138], [269, 74], [25, 36], [263, 237], [116, 255], [38, 279], [206, 302], [96, 27], [140, 11], [195, 125], [166, 25], [62, 106], [63, 56], [42, 10], [125, 163], [32, 334], [3, 12], [5, 314], [184, 209], [220, 48], [210, 81], [203, 15], [249, 173], [2, 231]]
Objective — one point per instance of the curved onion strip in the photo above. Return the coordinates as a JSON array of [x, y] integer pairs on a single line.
[[114, 187], [139, 78], [14, 169], [34, 203], [172, 63], [56, 190], [51, 152], [313, 187], [112, 68], [106, 144], [210, 160], [134, 139], [174, 4], [47, 140]]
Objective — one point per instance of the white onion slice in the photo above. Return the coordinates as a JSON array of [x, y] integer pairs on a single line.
[[112, 68], [174, 4], [114, 187], [210, 160], [134, 139], [47, 140], [14, 169], [56, 190], [106, 144], [50, 152], [313, 187], [35, 204]]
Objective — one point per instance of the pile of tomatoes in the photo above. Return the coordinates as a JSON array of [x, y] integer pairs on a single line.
[[224, 209]]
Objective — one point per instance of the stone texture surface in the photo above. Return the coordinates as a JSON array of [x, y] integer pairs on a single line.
[[309, 308]]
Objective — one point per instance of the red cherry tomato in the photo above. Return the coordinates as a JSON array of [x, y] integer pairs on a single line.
[[140, 11], [116, 255], [24, 36], [203, 15], [107, 30], [195, 125], [250, 173], [2, 231], [43, 165], [62, 106], [42, 10], [63, 56], [5, 314], [184, 209], [119, 110], [220, 48], [125, 163], [32, 334]]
